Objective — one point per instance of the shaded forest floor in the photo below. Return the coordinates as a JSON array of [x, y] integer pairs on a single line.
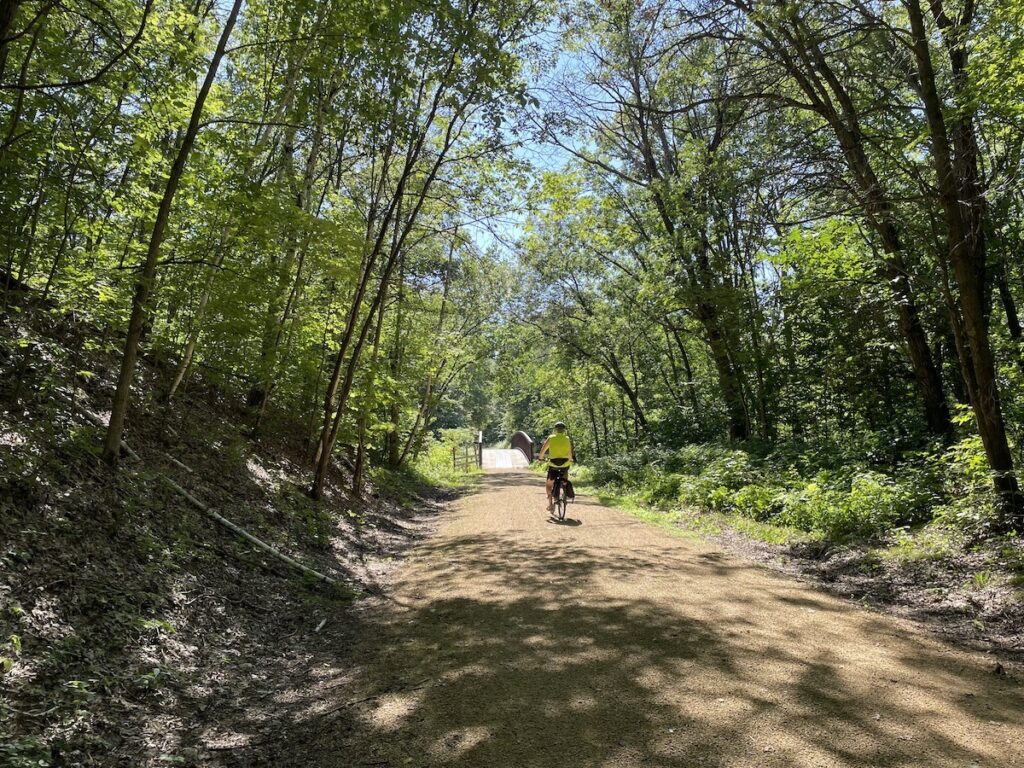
[[128, 620]]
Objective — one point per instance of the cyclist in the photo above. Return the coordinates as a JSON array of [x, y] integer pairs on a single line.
[[558, 449]]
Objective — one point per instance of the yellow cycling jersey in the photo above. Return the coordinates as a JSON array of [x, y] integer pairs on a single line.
[[559, 448]]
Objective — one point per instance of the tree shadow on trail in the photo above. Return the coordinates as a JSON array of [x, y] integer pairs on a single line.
[[517, 660], [524, 655]]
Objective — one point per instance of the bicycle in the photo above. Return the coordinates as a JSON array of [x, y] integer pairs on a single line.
[[559, 495]]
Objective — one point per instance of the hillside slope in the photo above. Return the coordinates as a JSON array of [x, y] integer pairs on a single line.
[[127, 618]]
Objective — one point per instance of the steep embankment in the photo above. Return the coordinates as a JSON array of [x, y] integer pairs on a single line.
[[129, 621]]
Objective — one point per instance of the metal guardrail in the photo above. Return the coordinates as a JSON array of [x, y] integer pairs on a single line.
[[469, 454]]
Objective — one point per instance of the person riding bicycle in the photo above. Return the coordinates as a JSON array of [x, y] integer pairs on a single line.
[[558, 449]]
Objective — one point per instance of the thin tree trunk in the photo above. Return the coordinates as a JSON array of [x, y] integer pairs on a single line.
[[394, 450], [1006, 297], [329, 439], [144, 285], [30, 241], [614, 369], [19, 101], [604, 426], [400, 233], [423, 416], [197, 324], [691, 384], [364, 416], [593, 426], [732, 395]]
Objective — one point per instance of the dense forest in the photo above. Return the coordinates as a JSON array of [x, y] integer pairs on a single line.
[[764, 258], [275, 200], [792, 228]]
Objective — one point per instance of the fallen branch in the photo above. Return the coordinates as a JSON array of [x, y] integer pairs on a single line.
[[178, 464], [238, 530], [259, 544], [99, 422]]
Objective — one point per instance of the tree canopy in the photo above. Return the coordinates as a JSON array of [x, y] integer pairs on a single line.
[[792, 228]]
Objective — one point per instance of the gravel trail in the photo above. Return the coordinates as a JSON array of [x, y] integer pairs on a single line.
[[510, 641]]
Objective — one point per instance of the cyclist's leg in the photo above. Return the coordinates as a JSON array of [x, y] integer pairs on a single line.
[[550, 485]]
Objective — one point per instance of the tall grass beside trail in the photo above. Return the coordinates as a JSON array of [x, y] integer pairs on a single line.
[[434, 464], [841, 501]]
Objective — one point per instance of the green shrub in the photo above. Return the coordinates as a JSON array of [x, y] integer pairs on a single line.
[[873, 505], [729, 469], [583, 474], [833, 500], [758, 502], [971, 503], [663, 489], [631, 470]]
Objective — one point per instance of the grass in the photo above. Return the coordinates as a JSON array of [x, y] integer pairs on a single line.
[[928, 544], [981, 579], [769, 532], [693, 523], [434, 465]]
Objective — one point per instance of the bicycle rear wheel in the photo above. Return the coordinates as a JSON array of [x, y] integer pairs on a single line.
[[560, 501]]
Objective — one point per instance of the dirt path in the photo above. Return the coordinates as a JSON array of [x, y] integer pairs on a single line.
[[511, 642]]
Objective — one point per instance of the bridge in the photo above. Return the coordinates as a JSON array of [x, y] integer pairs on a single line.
[[519, 456]]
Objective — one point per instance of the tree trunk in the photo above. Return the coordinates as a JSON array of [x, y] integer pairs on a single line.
[[802, 57], [330, 437], [425, 413], [954, 151], [394, 448], [593, 426], [691, 384], [761, 397], [1006, 297], [732, 395], [8, 10], [618, 378], [197, 324], [896, 275], [144, 284], [364, 416], [19, 101]]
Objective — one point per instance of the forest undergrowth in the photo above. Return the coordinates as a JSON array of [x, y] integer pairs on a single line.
[[129, 621]]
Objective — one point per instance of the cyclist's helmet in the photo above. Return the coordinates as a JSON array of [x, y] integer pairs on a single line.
[[560, 426]]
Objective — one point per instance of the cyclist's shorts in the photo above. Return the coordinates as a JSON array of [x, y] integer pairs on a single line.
[[556, 472]]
